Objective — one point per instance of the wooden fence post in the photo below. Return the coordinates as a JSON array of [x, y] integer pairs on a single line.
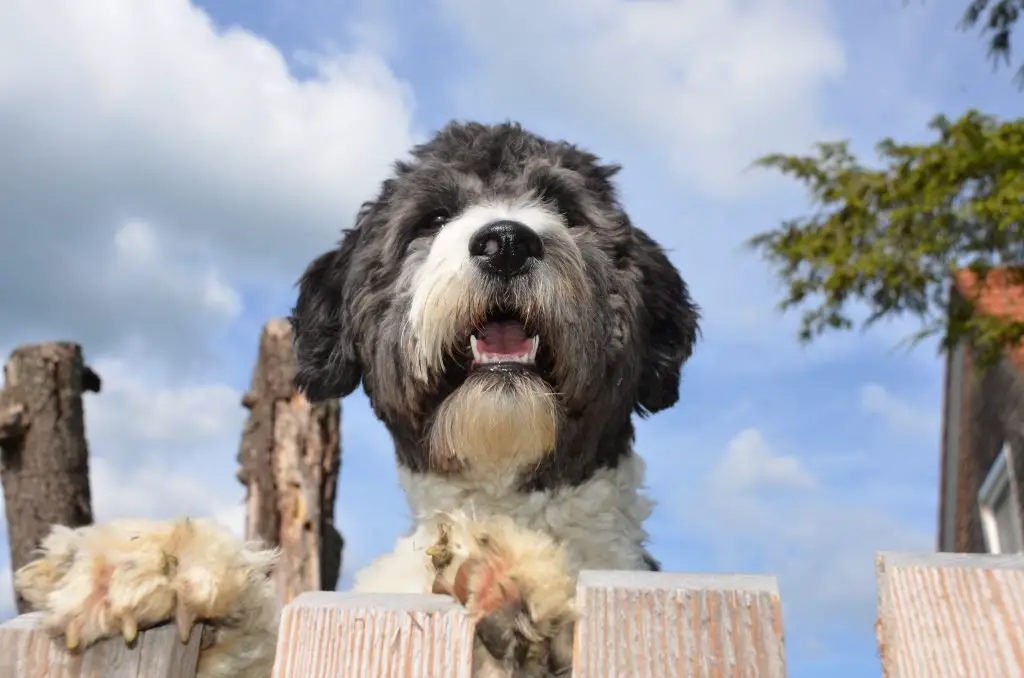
[[290, 458], [632, 625], [674, 625], [357, 635], [940, 616], [44, 457], [950, 615], [28, 651]]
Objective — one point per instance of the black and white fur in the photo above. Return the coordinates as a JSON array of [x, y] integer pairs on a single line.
[[525, 466], [395, 304]]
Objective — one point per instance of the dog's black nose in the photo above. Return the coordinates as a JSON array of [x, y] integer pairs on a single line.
[[505, 247]]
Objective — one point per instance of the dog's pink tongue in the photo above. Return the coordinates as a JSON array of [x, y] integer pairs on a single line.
[[503, 338]]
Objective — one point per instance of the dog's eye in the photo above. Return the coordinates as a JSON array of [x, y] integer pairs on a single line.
[[570, 213], [433, 221], [562, 201]]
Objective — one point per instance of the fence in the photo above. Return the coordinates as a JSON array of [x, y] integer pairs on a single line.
[[939, 616]]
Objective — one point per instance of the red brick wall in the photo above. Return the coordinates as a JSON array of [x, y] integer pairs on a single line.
[[993, 415]]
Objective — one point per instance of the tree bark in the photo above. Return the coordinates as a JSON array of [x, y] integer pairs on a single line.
[[290, 458], [44, 457]]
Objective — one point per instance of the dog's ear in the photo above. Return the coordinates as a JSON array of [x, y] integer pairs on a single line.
[[322, 330], [672, 326]]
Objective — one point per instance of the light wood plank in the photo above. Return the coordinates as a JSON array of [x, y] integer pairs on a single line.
[[955, 615], [27, 651], [668, 625], [350, 635]]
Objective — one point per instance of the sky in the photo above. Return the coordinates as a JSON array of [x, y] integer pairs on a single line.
[[170, 167]]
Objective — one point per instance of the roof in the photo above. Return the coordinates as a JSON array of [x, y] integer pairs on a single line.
[[1001, 294]]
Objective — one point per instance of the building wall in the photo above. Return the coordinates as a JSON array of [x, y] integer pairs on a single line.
[[953, 413], [995, 415]]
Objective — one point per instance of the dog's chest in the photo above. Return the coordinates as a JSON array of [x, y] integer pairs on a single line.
[[600, 522]]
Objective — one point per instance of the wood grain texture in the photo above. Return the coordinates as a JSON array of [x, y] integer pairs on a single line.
[[349, 635], [950, 615], [27, 651], [290, 458], [44, 455], [666, 625]]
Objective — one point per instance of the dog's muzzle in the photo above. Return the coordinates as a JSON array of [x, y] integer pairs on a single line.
[[505, 249]]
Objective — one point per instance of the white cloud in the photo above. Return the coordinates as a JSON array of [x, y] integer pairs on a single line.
[[687, 93], [147, 126], [900, 416], [133, 413], [767, 508], [709, 85], [147, 273], [750, 464], [163, 449], [157, 489]]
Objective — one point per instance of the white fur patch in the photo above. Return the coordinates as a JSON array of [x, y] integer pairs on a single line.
[[495, 431], [118, 577], [599, 522], [443, 286]]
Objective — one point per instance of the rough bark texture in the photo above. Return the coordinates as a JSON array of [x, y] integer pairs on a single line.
[[44, 458], [290, 458]]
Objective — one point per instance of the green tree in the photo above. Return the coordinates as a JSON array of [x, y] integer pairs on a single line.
[[889, 236], [997, 21]]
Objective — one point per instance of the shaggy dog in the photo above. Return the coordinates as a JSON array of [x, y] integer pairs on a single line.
[[506, 320]]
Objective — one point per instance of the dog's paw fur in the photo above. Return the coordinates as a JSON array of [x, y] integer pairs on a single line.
[[516, 584], [120, 577]]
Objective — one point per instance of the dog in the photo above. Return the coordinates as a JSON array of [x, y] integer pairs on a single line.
[[506, 320]]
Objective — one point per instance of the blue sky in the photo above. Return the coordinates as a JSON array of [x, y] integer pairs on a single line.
[[175, 166]]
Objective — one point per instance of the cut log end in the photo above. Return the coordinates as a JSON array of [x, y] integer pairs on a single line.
[[678, 622], [355, 634], [941, 612]]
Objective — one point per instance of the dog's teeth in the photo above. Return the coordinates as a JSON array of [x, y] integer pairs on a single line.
[[527, 358]]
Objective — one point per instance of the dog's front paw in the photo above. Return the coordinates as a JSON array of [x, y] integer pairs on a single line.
[[120, 577], [515, 583]]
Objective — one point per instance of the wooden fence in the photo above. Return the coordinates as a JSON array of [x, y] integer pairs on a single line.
[[939, 616]]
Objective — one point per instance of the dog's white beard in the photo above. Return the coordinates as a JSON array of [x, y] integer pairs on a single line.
[[495, 426]]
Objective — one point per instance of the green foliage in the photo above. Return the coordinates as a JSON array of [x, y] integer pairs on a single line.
[[890, 236], [997, 20]]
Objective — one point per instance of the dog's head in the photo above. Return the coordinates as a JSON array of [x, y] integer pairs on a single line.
[[498, 306]]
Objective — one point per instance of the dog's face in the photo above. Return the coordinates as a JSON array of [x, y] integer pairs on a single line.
[[500, 309]]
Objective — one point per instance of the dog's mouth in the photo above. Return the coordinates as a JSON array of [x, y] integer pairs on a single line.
[[504, 342]]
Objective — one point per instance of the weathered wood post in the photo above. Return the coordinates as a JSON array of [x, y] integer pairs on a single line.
[[950, 615], [28, 651], [44, 457], [290, 458], [632, 625]]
